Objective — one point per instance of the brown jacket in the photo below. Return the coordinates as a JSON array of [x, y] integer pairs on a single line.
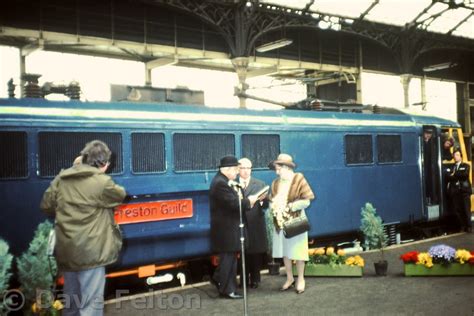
[[82, 199], [299, 188]]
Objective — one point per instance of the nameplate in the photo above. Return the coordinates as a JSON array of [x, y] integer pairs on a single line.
[[153, 211]]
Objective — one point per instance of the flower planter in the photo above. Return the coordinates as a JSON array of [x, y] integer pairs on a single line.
[[324, 270], [412, 269]]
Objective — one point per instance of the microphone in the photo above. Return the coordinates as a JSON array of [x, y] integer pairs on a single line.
[[233, 183]]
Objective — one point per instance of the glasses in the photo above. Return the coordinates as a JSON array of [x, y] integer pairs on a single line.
[[245, 168]]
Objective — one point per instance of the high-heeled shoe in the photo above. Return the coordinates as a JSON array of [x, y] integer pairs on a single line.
[[300, 291], [283, 288]]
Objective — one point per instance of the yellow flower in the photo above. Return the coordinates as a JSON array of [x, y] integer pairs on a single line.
[[359, 261], [462, 255], [329, 251], [341, 252], [58, 305], [350, 261], [355, 261], [34, 308], [319, 251], [425, 258]]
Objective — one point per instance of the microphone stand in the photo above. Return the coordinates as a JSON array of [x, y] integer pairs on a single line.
[[242, 250]]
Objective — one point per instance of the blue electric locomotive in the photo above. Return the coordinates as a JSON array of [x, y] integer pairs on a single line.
[[165, 156]]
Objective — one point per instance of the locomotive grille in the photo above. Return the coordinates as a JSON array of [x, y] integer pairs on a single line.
[[57, 150], [14, 157], [148, 152], [359, 149], [260, 149], [201, 151], [389, 148]]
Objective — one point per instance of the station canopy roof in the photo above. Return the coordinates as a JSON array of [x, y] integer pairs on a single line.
[[452, 17]]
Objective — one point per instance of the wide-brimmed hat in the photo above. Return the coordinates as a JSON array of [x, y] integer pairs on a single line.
[[283, 159], [228, 161]]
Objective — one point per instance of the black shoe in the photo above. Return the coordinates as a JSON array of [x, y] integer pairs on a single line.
[[215, 283], [254, 285], [289, 286], [233, 296]]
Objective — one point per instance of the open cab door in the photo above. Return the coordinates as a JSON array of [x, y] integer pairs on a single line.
[[456, 135]]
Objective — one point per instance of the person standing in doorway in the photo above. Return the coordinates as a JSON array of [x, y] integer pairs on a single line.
[[459, 190]]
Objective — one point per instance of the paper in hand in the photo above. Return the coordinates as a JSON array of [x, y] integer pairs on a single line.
[[262, 192]]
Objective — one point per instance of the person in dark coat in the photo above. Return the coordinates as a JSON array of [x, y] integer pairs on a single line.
[[256, 227], [225, 221], [459, 190]]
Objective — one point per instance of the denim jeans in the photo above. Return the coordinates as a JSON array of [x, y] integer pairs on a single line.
[[84, 292]]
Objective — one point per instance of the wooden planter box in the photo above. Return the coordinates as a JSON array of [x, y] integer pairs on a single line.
[[325, 270], [412, 269]]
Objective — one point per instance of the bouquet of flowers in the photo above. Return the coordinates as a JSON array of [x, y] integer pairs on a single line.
[[440, 254], [333, 258]]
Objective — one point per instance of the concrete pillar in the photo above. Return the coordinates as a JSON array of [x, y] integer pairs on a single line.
[[241, 66], [424, 102], [405, 80], [147, 75], [22, 72], [467, 110], [359, 77]]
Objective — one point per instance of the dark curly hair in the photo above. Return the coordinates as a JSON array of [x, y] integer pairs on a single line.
[[96, 154]]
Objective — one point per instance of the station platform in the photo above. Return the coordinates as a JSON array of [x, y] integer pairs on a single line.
[[393, 294]]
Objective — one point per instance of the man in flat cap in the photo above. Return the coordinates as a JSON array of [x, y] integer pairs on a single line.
[[225, 220]]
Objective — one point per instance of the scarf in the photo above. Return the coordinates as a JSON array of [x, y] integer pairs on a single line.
[[299, 190]]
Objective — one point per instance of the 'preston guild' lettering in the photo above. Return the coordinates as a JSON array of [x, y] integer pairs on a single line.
[[153, 211]]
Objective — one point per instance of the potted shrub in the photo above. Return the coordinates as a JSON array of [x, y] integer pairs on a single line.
[[5, 274], [36, 273], [374, 236]]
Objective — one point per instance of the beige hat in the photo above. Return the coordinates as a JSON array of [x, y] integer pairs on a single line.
[[283, 159]]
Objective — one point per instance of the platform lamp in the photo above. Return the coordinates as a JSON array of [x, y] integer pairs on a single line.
[[274, 45], [439, 66]]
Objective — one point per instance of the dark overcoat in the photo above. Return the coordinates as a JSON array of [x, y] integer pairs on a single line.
[[225, 218], [458, 179], [256, 227]]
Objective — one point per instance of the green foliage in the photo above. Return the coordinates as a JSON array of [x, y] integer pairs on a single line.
[[372, 227], [5, 273], [5, 266], [332, 259], [35, 269]]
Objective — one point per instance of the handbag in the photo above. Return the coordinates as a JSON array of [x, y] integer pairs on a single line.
[[296, 225]]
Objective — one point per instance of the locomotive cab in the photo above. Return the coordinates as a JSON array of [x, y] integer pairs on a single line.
[[456, 135], [436, 159]]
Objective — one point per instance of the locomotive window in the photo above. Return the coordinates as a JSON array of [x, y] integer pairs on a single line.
[[148, 152], [389, 148], [57, 150], [201, 151], [14, 157], [260, 149], [359, 149]]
